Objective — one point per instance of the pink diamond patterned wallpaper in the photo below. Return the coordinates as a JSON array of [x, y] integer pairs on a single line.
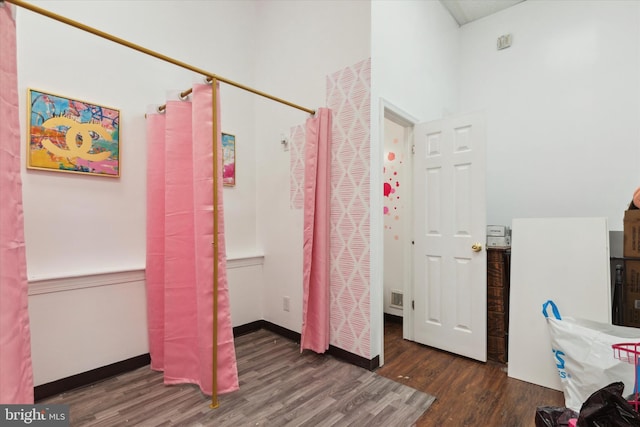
[[296, 159], [349, 96]]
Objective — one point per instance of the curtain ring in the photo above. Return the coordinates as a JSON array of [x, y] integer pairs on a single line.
[[161, 109], [183, 96]]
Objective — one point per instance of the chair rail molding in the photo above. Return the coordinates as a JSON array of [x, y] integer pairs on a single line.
[[38, 286], [82, 281]]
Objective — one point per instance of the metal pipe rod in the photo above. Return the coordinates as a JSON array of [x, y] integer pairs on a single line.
[[216, 250], [183, 95], [150, 52]]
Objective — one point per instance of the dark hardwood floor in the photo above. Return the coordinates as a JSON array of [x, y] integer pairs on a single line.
[[468, 393]]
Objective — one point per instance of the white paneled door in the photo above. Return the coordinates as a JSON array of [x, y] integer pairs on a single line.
[[449, 234]]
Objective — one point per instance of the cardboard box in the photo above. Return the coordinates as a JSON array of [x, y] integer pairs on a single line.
[[631, 226], [631, 294]]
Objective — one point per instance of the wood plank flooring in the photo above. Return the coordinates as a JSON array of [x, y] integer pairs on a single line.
[[278, 387], [468, 393]]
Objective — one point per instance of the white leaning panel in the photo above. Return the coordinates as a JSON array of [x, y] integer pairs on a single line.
[[562, 259]]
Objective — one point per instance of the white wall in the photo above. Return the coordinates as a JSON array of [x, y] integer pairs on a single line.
[[414, 54], [299, 44], [79, 324], [245, 290], [562, 106], [395, 176], [79, 226]]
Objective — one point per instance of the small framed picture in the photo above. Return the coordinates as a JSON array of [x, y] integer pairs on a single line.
[[70, 135], [228, 159]]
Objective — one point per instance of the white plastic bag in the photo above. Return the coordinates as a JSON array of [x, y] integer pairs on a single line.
[[583, 353]]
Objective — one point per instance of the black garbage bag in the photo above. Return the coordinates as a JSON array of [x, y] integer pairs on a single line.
[[553, 416], [608, 408]]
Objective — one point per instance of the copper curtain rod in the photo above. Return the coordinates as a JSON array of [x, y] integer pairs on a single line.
[[157, 55], [184, 94]]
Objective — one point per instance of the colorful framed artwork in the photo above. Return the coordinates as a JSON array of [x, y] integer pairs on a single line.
[[69, 135], [228, 159]]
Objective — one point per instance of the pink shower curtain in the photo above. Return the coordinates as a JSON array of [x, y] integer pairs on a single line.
[[317, 194], [16, 374], [179, 273]]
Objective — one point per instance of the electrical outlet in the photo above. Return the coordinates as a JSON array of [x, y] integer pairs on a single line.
[[286, 303]]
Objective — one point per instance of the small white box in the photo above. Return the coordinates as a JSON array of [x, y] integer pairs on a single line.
[[499, 242], [497, 230]]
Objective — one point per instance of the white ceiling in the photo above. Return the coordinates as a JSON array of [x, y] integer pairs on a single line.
[[465, 11]]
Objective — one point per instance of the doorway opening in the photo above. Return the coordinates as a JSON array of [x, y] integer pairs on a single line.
[[397, 142]]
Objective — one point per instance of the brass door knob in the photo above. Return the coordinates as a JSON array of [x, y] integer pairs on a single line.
[[476, 247]]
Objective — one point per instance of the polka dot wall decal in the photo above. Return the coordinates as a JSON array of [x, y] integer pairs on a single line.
[[391, 155], [387, 189], [396, 237]]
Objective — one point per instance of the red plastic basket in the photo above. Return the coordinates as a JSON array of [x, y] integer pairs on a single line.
[[630, 353]]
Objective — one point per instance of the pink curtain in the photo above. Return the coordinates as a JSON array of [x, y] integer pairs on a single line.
[[180, 256], [317, 186], [16, 374]]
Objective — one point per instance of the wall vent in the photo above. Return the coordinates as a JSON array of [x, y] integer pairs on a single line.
[[396, 299]]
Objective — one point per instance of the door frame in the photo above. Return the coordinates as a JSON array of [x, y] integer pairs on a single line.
[[399, 116]]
